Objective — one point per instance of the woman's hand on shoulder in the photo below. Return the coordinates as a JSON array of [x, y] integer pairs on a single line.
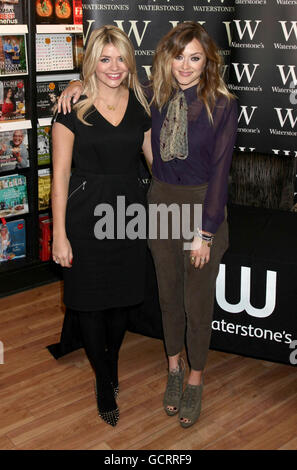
[[62, 251], [72, 92]]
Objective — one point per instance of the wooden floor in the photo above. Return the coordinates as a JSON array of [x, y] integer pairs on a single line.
[[49, 404]]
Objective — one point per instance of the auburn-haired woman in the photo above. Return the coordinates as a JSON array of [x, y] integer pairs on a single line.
[[194, 124], [102, 136]]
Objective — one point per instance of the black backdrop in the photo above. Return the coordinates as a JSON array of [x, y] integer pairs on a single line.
[[263, 75], [258, 40], [145, 21]]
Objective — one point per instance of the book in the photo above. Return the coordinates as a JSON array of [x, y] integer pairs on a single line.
[[13, 195], [13, 55], [11, 12], [64, 11], [78, 51], [77, 12], [54, 52], [12, 240], [14, 153], [12, 100], [44, 11], [58, 11], [44, 188], [48, 93], [45, 237], [43, 145]]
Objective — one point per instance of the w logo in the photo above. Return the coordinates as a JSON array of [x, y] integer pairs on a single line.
[[134, 29], [284, 117], [291, 73], [247, 28], [245, 71], [247, 115], [287, 33], [120, 24], [244, 305], [242, 29]]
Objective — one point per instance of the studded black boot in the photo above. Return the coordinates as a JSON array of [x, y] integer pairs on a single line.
[[106, 404]]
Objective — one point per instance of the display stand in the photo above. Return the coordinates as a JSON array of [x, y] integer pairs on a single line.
[[19, 274]]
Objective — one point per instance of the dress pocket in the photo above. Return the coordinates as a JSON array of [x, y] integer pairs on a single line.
[[81, 187]]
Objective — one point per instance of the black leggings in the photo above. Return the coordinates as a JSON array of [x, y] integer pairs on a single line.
[[102, 335]]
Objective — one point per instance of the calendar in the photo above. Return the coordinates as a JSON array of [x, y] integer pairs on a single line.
[[54, 52]]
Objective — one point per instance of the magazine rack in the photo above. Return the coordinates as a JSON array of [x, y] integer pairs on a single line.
[[19, 274]]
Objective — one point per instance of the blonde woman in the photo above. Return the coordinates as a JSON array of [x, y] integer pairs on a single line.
[[102, 138], [194, 125]]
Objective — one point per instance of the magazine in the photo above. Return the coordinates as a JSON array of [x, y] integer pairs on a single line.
[[77, 12], [44, 11], [43, 145], [78, 51], [47, 96], [12, 100], [56, 11], [45, 237], [13, 195], [44, 188], [14, 153], [13, 55], [11, 12], [12, 240], [54, 52]]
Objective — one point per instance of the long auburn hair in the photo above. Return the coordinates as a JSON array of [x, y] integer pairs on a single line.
[[211, 83], [99, 38]]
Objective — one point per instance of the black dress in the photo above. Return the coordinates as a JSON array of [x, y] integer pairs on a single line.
[[105, 273]]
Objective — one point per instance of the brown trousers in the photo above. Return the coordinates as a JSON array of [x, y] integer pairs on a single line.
[[186, 293]]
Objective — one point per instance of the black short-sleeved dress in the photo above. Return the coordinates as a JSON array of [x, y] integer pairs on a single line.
[[105, 273]]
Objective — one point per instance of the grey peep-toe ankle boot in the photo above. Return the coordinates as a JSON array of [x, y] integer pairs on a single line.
[[174, 389], [190, 407]]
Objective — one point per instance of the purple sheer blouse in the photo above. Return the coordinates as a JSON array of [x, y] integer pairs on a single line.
[[210, 154]]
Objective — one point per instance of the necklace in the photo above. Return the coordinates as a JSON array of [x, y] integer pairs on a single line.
[[111, 107]]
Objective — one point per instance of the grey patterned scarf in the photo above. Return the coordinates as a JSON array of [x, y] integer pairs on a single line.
[[174, 131]]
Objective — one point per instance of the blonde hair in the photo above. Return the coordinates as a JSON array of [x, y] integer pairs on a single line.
[[99, 38], [211, 83]]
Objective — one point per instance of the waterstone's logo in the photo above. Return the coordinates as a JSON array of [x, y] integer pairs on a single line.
[[244, 305], [246, 115], [245, 30], [289, 31], [289, 82], [245, 72]]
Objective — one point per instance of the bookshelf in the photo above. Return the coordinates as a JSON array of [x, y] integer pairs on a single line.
[[18, 274]]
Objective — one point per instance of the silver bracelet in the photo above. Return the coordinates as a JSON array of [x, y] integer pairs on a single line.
[[75, 80], [203, 236]]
